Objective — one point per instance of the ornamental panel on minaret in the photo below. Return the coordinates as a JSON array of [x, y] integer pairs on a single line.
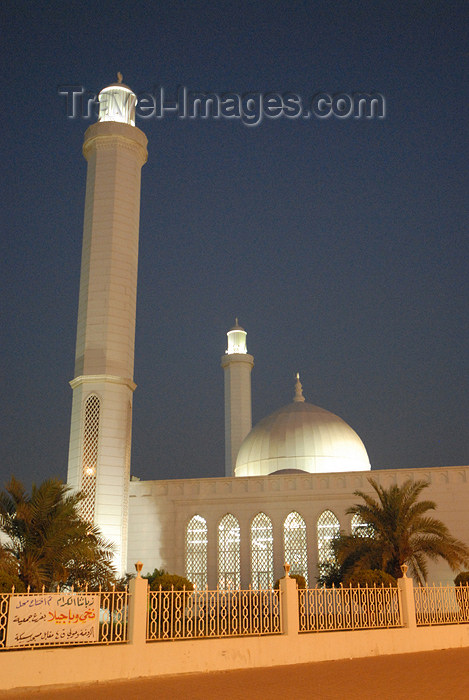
[[100, 435]]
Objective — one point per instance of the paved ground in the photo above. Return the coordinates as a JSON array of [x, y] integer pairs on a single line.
[[427, 676]]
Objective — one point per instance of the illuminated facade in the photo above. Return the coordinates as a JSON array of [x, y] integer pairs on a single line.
[[301, 437], [237, 365], [160, 513], [103, 386], [288, 481]]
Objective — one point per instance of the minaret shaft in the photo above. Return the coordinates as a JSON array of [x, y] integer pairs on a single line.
[[237, 365], [108, 285], [100, 435]]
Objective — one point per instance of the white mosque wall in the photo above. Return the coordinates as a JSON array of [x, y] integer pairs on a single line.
[[160, 510]]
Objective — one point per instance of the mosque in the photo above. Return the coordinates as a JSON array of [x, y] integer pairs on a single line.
[[288, 480]]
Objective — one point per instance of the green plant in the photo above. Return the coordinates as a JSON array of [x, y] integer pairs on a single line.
[[462, 579], [8, 581], [151, 576], [332, 575], [402, 532], [168, 582], [122, 583], [370, 577], [462, 595], [48, 540]]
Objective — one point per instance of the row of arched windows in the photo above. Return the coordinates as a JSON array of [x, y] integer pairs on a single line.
[[261, 546]]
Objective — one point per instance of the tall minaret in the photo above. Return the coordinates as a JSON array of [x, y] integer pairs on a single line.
[[237, 365], [101, 425]]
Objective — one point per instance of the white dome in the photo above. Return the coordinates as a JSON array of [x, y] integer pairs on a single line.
[[302, 437]]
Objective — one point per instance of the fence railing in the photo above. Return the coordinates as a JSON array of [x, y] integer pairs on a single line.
[[218, 613], [329, 609], [67, 618], [441, 605], [62, 619]]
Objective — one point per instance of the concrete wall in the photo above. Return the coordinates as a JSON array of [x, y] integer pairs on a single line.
[[137, 658], [88, 664]]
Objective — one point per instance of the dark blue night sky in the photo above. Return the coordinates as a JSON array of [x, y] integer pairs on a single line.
[[341, 244]]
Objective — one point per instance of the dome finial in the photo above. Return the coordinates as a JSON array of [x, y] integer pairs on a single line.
[[119, 77], [298, 389]]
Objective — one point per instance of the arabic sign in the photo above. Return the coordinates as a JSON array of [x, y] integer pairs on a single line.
[[53, 618]]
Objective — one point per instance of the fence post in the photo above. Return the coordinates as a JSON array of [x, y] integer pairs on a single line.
[[138, 607], [289, 603], [406, 588]]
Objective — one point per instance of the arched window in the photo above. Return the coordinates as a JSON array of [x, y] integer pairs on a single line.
[[294, 538], [328, 530], [90, 457], [360, 528], [228, 553], [196, 551], [262, 554]]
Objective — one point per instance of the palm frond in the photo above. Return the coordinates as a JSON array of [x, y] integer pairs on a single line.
[[49, 540], [402, 532]]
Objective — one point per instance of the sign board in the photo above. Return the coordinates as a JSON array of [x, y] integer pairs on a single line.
[[53, 618]]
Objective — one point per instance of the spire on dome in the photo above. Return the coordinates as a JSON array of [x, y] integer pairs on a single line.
[[298, 389]]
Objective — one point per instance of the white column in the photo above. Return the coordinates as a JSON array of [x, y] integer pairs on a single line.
[[245, 550], [100, 436], [289, 602], [212, 552], [406, 589], [237, 365], [279, 550], [138, 607]]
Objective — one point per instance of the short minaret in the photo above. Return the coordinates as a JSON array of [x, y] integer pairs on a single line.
[[101, 425], [237, 364]]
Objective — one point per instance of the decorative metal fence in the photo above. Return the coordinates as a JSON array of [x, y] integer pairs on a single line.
[[441, 605], [114, 607], [219, 613], [4, 600], [64, 618], [331, 609]]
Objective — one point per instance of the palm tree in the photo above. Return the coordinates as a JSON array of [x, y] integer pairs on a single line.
[[399, 531], [47, 541]]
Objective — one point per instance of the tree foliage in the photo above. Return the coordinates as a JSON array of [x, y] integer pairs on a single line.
[[400, 531], [47, 542], [8, 582], [369, 577], [168, 582], [331, 574], [152, 576], [462, 579]]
